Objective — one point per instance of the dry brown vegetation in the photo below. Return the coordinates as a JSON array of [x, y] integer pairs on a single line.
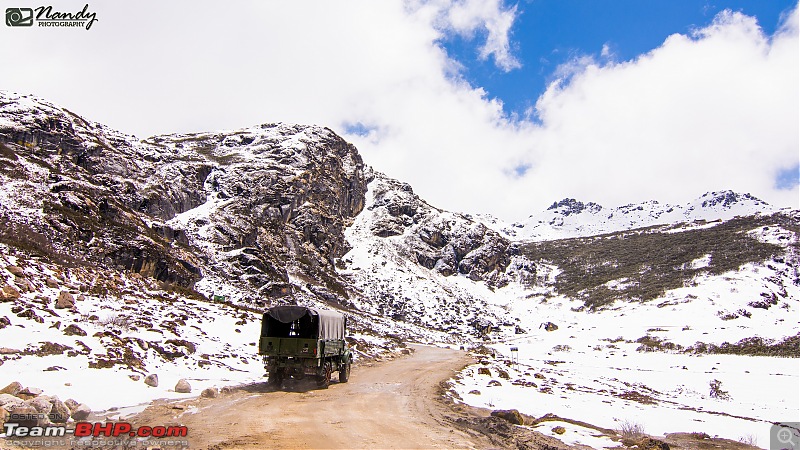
[[651, 262]]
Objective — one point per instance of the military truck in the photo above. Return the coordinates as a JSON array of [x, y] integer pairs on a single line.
[[298, 342]]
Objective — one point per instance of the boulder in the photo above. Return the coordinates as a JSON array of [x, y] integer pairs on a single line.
[[71, 403], [9, 402], [65, 300], [30, 391], [484, 371], [16, 271], [209, 393], [9, 293], [27, 416], [648, 443], [13, 388], [59, 412], [81, 412], [183, 386], [41, 404], [4, 415], [559, 430], [74, 330], [510, 415], [151, 380], [51, 283]]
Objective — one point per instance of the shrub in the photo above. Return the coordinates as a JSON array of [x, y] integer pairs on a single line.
[[715, 390], [630, 430]]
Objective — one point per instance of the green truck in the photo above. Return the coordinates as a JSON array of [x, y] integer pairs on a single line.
[[298, 342]]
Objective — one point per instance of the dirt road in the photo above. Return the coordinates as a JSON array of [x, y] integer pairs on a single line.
[[392, 404]]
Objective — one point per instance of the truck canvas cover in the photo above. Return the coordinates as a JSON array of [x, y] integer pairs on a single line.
[[329, 324]]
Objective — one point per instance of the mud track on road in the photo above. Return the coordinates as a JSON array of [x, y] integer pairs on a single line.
[[390, 404], [396, 403]]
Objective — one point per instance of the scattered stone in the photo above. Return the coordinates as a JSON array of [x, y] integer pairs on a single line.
[[56, 325], [54, 369], [503, 374], [539, 376], [183, 386], [13, 388], [549, 326], [9, 351], [559, 430], [226, 390], [16, 271], [9, 402], [81, 412], [41, 404], [9, 293], [59, 413], [648, 443], [510, 415], [4, 415], [135, 377], [30, 391], [494, 383], [23, 284], [151, 380], [475, 392], [81, 297], [484, 371], [30, 417], [71, 403], [209, 393], [4, 322], [74, 330], [65, 300], [51, 283]]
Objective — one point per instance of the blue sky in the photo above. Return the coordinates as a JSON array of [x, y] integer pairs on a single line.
[[654, 99], [548, 33]]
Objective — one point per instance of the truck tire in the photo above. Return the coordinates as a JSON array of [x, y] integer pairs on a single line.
[[324, 378], [344, 373]]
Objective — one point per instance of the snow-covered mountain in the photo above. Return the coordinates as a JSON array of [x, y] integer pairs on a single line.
[[163, 251], [572, 218]]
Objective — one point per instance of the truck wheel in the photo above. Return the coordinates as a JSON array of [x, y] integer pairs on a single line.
[[324, 379], [344, 373]]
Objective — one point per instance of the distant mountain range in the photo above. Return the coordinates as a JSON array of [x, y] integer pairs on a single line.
[[572, 218]]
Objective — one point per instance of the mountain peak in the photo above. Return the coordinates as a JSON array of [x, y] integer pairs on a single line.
[[570, 206], [727, 199]]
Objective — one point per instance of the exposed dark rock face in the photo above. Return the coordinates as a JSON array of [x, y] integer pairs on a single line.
[[449, 243], [253, 205], [570, 206]]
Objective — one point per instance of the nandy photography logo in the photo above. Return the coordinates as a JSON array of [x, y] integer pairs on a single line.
[[46, 16]]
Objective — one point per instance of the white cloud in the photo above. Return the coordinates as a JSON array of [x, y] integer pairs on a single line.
[[470, 17], [706, 112], [711, 111]]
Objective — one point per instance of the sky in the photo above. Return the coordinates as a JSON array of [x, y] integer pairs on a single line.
[[483, 106]]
